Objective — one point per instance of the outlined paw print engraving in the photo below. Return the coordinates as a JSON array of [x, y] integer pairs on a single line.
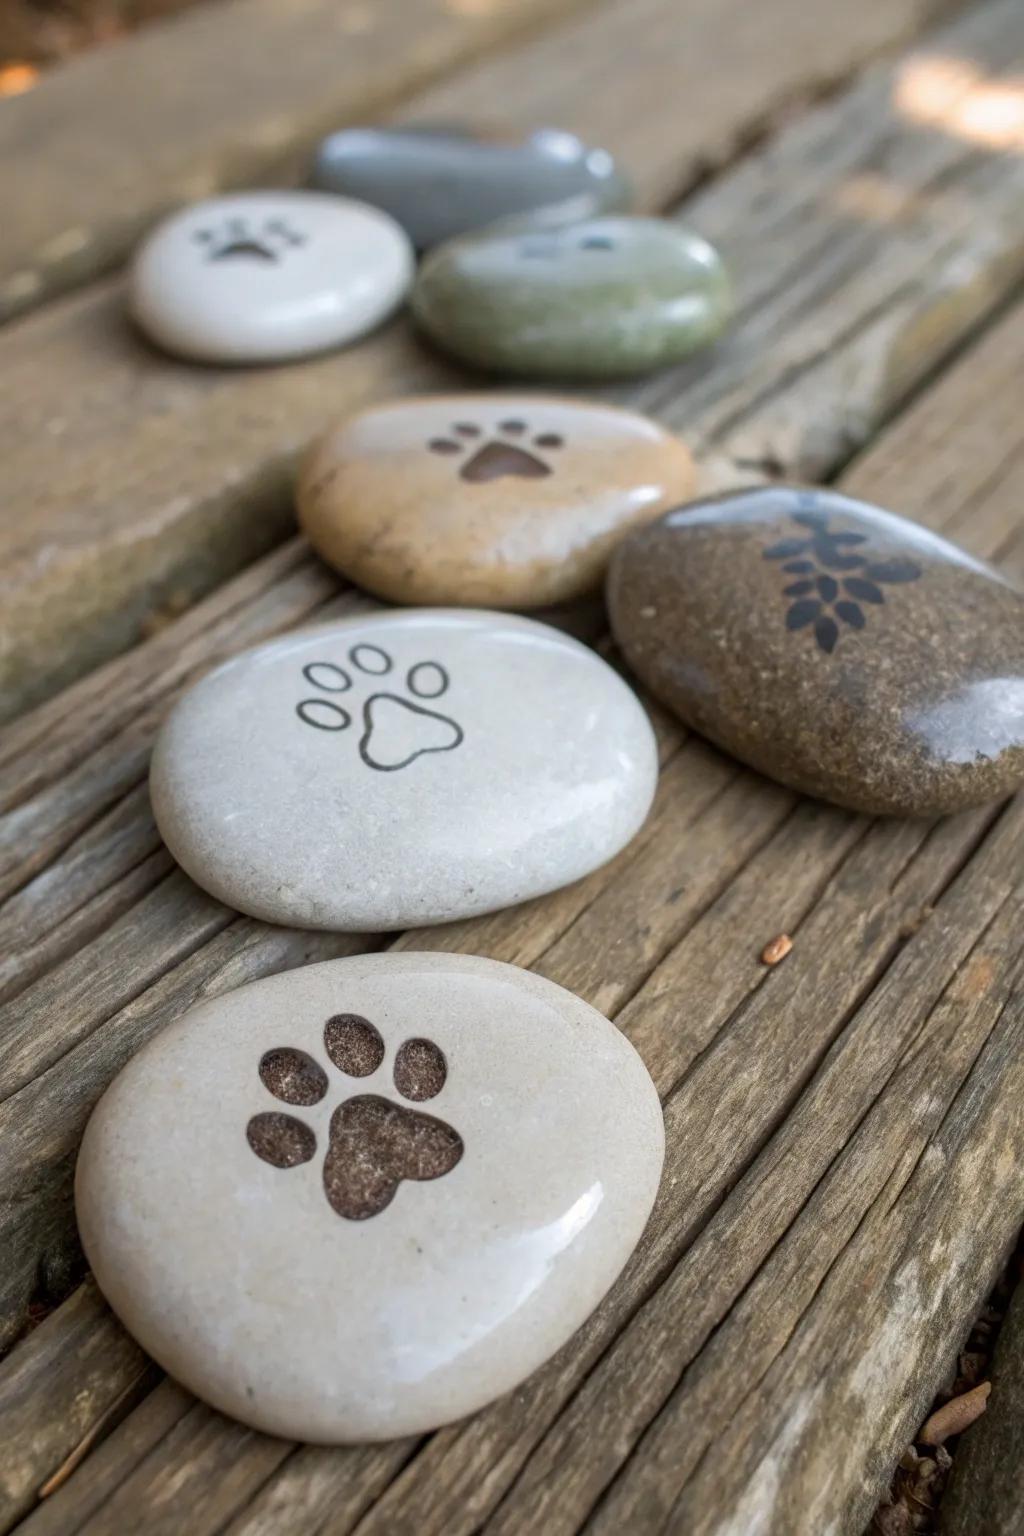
[[396, 731], [821, 598], [236, 238], [498, 456], [373, 1143]]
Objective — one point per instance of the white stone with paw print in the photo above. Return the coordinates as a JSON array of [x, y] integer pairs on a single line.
[[399, 769], [260, 277], [363, 1198]]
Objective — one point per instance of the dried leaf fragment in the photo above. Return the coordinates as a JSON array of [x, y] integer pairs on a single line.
[[955, 1416]]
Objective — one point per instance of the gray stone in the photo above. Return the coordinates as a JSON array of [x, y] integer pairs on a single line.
[[606, 298], [440, 182]]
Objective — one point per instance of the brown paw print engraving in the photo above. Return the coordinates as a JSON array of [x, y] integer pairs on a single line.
[[495, 457], [373, 1143], [396, 731], [821, 598], [236, 238]]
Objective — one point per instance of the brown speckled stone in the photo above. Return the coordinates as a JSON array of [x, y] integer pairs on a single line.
[[835, 647]]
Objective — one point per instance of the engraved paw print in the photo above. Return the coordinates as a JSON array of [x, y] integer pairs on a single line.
[[548, 247], [820, 598], [373, 1143], [236, 237], [396, 731], [498, 456]]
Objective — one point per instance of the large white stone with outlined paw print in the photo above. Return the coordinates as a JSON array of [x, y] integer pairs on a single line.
[[362, 1199], [399, 769], [261, 277]]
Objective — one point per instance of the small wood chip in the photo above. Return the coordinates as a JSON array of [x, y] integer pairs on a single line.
[[955, 1416], [777, 950]]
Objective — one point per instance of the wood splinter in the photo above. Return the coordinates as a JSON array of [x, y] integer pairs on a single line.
[[777, 950], [955, 1416]]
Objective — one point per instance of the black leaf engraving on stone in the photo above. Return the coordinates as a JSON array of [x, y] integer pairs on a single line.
[[829, 595]]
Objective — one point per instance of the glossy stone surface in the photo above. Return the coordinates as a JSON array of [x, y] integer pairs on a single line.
[[606, 298], [249, 1222], [259, 277], [835, 647], [499, 500], [439, 182], [399, 769]]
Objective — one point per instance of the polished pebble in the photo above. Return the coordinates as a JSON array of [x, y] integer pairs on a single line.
[[440, 182], [364, 1198], [259, 277], [494, 500], [606, 298], [398, 769], [833, 646]]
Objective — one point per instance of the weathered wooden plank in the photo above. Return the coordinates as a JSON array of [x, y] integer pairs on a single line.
[[871, 903], [223, 96], [469, 1472], [169, 476], [66, 1508], [84, 1366], [983, 1497]]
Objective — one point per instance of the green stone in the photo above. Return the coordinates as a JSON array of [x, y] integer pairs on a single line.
[[607, 298]]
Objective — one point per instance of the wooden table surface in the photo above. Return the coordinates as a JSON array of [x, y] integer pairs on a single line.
[[845, 1132]]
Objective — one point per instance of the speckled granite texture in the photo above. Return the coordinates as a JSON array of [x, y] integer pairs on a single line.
[[835, 647]]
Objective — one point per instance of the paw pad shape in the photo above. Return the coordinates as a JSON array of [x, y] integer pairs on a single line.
[[373, 1143], [498, 456], [396, 731], [237, 238]]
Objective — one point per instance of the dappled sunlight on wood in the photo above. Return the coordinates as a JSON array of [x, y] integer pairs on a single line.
[[954, 95], [874, 198], [16, 78], [472, 7]]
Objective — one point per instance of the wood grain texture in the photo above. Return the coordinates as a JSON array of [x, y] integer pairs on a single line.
[[227, 95], [844, 1163], [83, 1365], [166, 477], [844, 1168]]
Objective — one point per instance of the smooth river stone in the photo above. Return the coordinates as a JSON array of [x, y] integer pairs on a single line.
[[259, 277], [438, 182], [362, 1199], [399, 769], [499, 500], [606, 298], [835, 647]]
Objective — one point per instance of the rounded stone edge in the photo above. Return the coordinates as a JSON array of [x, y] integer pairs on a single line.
[[568, 1004], [410, 616], [501, 363], [212, 356], [313, 468]]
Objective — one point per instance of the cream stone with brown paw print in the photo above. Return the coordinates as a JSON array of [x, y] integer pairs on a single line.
[[362, 1199], [501, 500], [259, 277], [402, 768]]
